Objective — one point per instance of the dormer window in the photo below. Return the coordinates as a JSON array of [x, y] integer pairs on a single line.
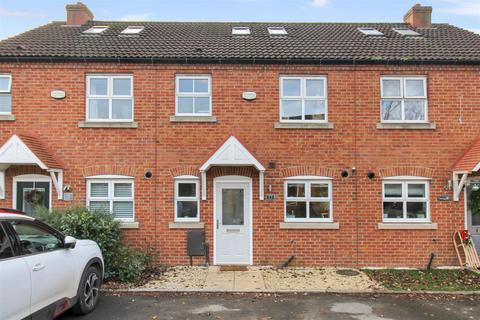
[[370, 31], [277, 31], [406, 32], [240, 31], [96, 29], [133, 30]]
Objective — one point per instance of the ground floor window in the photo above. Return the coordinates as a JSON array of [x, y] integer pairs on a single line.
[[187, 198], [405, 199], [308, 199], [112, 194]]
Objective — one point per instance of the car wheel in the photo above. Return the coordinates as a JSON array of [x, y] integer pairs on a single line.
[[88, 292]]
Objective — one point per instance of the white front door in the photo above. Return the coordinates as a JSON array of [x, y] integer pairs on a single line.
[[233, 220]]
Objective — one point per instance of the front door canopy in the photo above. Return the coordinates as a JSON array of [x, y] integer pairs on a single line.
[[468, 163], [232, 153], [22, 149]]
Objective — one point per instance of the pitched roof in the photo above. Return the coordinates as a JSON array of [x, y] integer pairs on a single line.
[[213, 42], [470, 159]]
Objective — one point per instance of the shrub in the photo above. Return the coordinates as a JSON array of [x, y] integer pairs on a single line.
[[121, 262]]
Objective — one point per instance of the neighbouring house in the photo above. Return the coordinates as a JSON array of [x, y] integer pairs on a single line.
[[346, 144]]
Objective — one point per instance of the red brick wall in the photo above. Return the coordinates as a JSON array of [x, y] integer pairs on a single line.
[[170, 149]]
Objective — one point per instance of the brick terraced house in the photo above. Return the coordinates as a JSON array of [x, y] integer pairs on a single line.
[[347, 144]]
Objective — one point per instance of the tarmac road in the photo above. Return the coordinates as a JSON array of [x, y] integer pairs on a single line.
[[284, 306]]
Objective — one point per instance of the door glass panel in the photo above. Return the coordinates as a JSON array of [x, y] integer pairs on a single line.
[[31, 195], [34, 239], [474, 203], [232, 207]]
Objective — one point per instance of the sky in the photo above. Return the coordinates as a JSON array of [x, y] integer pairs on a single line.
[[17, 16]]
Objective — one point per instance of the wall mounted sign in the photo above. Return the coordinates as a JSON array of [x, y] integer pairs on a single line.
[[249, 95], [270, 197], [443, 198], [58, 94], [67, 196]]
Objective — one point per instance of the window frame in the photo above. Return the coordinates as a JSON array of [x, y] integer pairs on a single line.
[[303, 97], [277, 31], [402, 98], [370, 31], [111, 181], [92, 30], [241, 31], [132, 30], [110, 97], [308, 181], [177, 198], [405, 181], [7, 92], [207, 94]]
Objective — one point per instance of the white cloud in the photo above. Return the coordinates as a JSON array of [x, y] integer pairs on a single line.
[[319, 3], [462, 7], [21, 14], [136, 17]]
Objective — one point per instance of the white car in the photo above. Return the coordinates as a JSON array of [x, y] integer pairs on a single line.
[[44, 273]]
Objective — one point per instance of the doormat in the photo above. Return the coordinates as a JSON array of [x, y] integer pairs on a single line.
[[233, 268]]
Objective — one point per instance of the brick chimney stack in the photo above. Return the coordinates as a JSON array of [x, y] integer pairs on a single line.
[[419, 16], [78, 14]]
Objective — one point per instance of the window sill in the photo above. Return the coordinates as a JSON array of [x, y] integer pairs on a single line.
[[106, 124], [310, 225], [186, 225], [210, 119], [407, 126], [7, 117], [408, 226], [297, 125], [128, 225]]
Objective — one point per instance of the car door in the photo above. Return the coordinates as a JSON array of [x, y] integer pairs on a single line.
[[52, 267], [14, 280]]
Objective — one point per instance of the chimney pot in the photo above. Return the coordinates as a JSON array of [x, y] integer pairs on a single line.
[[78, 14], [419, 16]]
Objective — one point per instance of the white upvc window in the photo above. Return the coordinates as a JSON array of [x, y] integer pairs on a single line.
[[114, 194], [110, 98], [5, 94], [406, 199], [187, 199], [308, 199], [404, 99], [303, 99], [193, 95]]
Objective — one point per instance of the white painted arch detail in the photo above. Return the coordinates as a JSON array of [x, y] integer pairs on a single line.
[[232, 153]]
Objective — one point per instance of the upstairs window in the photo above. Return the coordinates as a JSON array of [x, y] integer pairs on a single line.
[[308, 199], [303, 99], [5, 94], [133, 30], [110, 98], [193, 95], [111, 194], [96, 30], [240, 31], [187, 199], [404, 99], [406, 32], [406, 199]]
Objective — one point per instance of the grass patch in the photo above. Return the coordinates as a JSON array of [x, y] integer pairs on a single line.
[[431, 280]]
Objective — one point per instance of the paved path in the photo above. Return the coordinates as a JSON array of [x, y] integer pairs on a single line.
[[305, 307], [234, 280]]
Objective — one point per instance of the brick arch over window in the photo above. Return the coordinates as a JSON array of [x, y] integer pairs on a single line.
[[121, 170], [406, 171], [308, 171], [185, 171], [233, 171]]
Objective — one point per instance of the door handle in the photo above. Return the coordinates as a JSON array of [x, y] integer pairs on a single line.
[[38, 267]]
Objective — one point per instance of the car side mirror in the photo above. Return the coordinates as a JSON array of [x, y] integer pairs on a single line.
[[69, 242]]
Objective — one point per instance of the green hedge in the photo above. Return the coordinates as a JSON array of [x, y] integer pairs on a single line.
[[121, 262]]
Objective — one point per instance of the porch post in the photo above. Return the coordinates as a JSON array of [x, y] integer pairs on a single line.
[[261, 178], [204, 185], [57, 178], [2, 184]]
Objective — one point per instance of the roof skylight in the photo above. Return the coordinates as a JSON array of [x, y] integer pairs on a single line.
[[406, 32], [240, 31], [96, 29], [277, 31], [133, 30], [370, 31]]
